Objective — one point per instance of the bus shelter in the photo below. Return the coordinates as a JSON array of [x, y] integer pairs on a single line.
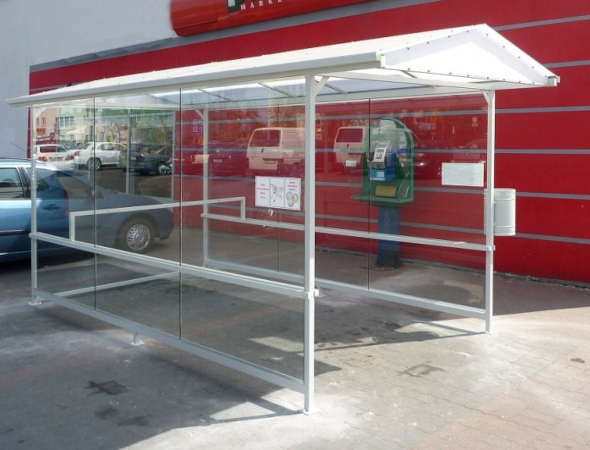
[[242, 234]]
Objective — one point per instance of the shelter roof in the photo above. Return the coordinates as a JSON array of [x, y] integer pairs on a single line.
[[448, 61]]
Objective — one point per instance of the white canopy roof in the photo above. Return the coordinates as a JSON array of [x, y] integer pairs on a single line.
[[460, 60]]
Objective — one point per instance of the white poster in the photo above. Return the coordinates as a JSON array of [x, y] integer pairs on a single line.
[[275, 192], [463, 174], [262, 191]]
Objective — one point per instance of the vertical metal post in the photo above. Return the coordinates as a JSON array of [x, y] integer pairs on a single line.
[[309, 243], [312, 87], [34, 263], [180, 199], [173, 154], [489, 210], [128, 152], [204, 115], [136, 341]]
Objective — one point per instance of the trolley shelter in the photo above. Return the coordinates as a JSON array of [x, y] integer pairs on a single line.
[[237, 258]]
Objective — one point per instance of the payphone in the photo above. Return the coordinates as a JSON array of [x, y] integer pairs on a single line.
[[388, 181], [388, 172]]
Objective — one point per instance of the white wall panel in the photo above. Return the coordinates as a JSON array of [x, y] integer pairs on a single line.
[[35, 32]]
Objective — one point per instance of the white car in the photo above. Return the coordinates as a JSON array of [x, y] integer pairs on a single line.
[[54, 154], [98, 154]]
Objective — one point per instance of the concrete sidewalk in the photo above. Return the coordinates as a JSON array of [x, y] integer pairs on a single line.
[[401, 378]]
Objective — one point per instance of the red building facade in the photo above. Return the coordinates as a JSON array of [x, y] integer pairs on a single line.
[[542, 147]]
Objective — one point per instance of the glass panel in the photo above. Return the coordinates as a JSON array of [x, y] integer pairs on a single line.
[[421, 276], [130, 162], [401, 191], [226, 225], [189, 167], [62, 195], [341, 143], [254, 156], [70, 274], [257, 326], [140, 293], [131, 165], [449, 136]]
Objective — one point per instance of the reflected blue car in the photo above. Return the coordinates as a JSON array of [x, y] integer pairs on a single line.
[[60, 193]]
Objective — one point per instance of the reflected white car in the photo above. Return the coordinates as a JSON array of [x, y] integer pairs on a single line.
[[97, 155], [55, 154]]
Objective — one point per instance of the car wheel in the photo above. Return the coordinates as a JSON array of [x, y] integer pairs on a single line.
[[93, 164], [163, 169], [136, 235]]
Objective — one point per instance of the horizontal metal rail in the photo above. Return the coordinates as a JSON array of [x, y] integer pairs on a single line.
[[286, 289], [380, 294], [354, 233], [283, 225], [92, 212]]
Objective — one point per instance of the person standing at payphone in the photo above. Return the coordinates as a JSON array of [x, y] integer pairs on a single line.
[[389, 182]]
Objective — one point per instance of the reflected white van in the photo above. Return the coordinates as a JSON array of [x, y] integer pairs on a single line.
[[279, 150], [350, 144]]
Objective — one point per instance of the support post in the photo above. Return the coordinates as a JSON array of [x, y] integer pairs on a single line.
[[489, 211], [136, 339], [204, 115], [34, 261], [311, 90]]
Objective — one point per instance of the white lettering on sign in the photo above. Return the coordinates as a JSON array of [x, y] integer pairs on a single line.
[[255, 4]]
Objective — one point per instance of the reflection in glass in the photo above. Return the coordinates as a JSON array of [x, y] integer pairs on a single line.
[[351, 196], [260, 327], [71, 275], [139, 293], [195, 187], [221, 158]]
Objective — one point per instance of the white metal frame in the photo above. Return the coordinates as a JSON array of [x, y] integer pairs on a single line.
[[458, 61]]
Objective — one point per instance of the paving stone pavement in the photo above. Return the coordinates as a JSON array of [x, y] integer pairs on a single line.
[[389, 377]]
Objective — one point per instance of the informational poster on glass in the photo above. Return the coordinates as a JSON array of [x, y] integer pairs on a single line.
[[463, 174], [277, 192]]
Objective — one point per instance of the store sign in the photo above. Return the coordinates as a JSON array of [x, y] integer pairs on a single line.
[[245, 5], [199, 16]]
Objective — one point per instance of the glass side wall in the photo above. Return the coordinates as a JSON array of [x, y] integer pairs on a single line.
[[181, 179], [357, 192], [226, 225], [258, 154], [132, 161], [62, 195], [110, 192], [143, 176]]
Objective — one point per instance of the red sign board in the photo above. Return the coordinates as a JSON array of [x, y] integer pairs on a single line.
[[198, 16]]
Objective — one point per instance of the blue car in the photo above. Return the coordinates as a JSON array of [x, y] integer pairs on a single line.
[[60, 193]]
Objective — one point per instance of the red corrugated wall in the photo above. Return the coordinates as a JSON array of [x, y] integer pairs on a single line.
[[542, 136]]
